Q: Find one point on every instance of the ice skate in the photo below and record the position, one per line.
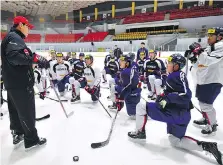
(41, 142)
(137, 136)
(212, 148)
(75, 99)
(200, 123)
(209, 130)
(112, 107)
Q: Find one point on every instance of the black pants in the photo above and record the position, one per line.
(21, 105)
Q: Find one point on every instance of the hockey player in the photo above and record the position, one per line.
(78, 66)
(39, 81)
(73, 58)
(126, 89)
(90, 82)
(52, 61)
(140, 64)
(110, 68)
(62, 71)
(208, 63)
(154, 70)
(107, 57)
(173, 108)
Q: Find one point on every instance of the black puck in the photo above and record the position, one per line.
(75, 158)
(1, 114)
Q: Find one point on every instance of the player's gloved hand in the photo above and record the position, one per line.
(157, 72)
(196, 49)
(119, 103)
(88, 88)
(40, 60)
(94, 90)
(141, 78)
(191, 56)
(162, 100)
(42, 95)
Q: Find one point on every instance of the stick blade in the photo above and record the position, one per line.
(99, 144)
(70, 114)
(42, 118)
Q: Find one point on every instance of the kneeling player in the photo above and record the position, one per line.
(140, 64)
(78, 67)
(39, 81)
(111, 68)
(126, 89)
(173, 108)
(90, 82)
(62, 70)
(154, 72)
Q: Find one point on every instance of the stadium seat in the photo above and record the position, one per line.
(62, 38)
(95, 37)
(199, 11)
(33, 38)
(167, 31)
(130, 36)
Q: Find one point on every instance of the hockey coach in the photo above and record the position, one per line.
(17, 60)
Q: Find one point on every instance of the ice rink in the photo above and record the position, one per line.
(90, 123)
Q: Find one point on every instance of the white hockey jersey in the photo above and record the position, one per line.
(209, 65)
(38, 80)
(61, 70)
(92, 75)
(52, 62)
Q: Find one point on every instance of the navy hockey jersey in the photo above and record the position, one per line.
(177, 90)
(78, 68)
(154, 67)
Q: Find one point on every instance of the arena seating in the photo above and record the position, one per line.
(199, 11)
(167, 31)
(35, 38)
(95, 37)
(130, 36)
(144, 17)
(66, 38)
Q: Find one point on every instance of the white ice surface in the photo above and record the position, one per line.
(70, 137)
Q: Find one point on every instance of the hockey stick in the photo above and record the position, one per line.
(44, 117)
(67, 115)
(104, 143)
(103, 106)
(186, 72)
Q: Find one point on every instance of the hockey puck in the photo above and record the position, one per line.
(1, 114)
(75, 158)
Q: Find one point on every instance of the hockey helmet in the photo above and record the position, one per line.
(59, 55)
(177, 59)
(81, 54)
(216, 31)
(126, 58)
(132, 55)
(89, 56)
(73, 54)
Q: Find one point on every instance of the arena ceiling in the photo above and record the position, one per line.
(52, 7)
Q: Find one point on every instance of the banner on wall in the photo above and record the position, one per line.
(143, 10)
(101, 49)
(104, 16)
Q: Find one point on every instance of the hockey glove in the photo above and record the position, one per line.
(162, 101)
(196, 49)
(141, 78)
(88, 89)
(42, 95)
(119, 103)
(40, 60)
(94, 90)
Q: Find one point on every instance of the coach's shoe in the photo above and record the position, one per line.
(41, 142)
(17, 138)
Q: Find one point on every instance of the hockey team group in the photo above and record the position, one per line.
(167, 85)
